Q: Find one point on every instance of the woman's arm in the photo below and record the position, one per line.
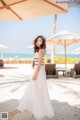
(40, 55)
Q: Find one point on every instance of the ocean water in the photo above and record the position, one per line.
(19, 55)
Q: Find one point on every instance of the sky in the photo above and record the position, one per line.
(18, 35)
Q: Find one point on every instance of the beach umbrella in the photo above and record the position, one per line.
(77, 49)
(29, 9)
(64, 38)
(32, 46)
(3, 48)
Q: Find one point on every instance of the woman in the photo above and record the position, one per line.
(36, 98)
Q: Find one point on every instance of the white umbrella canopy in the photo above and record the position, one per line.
(3, 48)
(29, 9)
(77, 49)
(64, 38)
(32, 46)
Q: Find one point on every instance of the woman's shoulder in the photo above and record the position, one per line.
(42, 51)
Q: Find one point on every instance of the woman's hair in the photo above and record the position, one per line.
(42, 46)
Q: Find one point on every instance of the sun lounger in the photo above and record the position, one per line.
(75, 72)
(51, 71)
(1, 63)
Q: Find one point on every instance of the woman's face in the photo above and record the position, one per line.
(39, 42)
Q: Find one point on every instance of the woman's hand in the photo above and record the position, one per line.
(34, 77)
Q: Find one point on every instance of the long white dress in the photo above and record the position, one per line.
(36, 97)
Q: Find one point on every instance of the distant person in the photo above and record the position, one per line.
(36, 97)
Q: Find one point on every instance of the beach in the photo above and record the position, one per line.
(64, 93)
(56, 26)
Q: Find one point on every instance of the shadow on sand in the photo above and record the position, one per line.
(8, 67)
(62, 111)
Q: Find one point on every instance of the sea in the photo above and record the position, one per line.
(30, 56)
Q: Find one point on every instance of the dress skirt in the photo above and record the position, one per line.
(36, 97)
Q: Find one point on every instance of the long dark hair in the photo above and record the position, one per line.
(42, 46)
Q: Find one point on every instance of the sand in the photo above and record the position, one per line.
(64, 93)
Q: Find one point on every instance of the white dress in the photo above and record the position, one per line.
(36, 97)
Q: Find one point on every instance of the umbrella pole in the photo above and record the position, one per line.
(65, 61)
(53, 54)
(53, 47)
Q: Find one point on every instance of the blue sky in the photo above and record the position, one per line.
(20, 34)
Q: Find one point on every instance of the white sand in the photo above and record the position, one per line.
(64, 93)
